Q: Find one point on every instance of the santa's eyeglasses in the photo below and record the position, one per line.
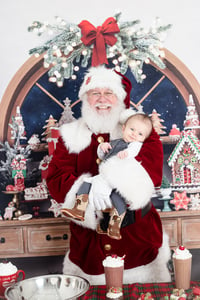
(97, 95)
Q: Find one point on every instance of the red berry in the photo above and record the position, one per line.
(181, 247)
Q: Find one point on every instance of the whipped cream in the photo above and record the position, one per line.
(114, 295)
(182, 253)
(7, 269)
(113, 261)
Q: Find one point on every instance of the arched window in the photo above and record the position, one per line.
(167, 90)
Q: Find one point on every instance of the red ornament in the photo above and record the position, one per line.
(99, 36)
(10, 188)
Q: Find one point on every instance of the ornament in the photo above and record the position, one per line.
(9, 210)
(99, 36)
(55, 208)
(180, 200)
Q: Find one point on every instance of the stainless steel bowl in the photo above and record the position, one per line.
(51, 287)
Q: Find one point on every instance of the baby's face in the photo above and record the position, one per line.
(135, 130)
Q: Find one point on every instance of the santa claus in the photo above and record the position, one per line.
(105, 96)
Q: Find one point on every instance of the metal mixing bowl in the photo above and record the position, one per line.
(51, 287)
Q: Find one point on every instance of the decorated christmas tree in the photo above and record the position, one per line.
(18, 132)
(192, 119)
(13, 155)
(67, 114)
(157, 122)
(51, 123)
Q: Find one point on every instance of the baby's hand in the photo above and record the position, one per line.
(105, 147)
(122, 154)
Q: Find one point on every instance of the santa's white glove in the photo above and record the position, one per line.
(99, 193)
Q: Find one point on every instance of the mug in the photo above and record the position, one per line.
(8, 280)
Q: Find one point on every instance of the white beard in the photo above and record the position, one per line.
(101, 123)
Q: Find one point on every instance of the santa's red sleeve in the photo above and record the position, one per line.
(61, 172)
(151, 158)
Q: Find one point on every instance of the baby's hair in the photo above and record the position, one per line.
(142, 117)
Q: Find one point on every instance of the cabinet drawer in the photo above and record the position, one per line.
(11, 241)
(48, 238)
(191, 233)
(171, 228)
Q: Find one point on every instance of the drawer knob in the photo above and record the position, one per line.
(2, 240)
(49, 237)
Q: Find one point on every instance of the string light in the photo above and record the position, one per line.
(76, 68)
(133, 47)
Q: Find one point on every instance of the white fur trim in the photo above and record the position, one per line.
(130, 179)
(126, 113)
(156, 271)
(91, 218)
(76, 135)
(101, 77)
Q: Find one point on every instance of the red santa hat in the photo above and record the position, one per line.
(102, 77)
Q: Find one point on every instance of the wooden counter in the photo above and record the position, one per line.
(35, 237)
(50, 236)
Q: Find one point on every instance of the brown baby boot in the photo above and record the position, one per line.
(78, 211)
(99, 230)
(115, 224)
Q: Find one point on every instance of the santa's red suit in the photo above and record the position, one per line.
(143, 243)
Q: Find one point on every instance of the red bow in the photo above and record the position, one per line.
(99, 36)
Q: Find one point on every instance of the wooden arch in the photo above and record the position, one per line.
(33, 69)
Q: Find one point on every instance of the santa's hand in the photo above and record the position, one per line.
(100, 193)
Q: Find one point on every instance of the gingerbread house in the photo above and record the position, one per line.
(185, 163)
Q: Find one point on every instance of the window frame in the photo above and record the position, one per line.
(33, 69)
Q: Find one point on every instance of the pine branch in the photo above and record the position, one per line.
(66, 48)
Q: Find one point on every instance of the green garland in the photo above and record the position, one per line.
(134, 47)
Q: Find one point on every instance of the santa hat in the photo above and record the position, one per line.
(102, 77)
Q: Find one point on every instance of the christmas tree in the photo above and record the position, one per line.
(192, 119)
(157, 122)
(67, 114)
(51, 123)
(17, 127)
(11, 152)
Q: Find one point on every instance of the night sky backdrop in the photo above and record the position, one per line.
(166, 99)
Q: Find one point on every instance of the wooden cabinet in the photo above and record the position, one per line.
(35, 237)
(11, 241)
(183, 228)
(50, 236)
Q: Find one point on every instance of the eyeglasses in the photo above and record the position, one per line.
(97, 95)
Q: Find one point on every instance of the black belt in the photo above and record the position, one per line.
(129, 217)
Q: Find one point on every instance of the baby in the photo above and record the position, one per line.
(134, 132)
